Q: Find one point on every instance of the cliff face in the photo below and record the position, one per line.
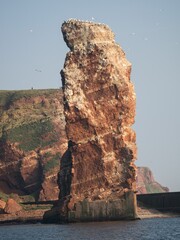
(32, 140)
(146, 182)
(29, 161)
(99, 111)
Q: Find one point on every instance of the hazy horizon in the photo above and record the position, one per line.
(33, 53)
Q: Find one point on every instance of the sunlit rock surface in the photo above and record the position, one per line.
(99, 104)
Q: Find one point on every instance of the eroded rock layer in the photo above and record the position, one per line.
(32, 140)
(99, 103)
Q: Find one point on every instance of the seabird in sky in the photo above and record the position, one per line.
(37, 70)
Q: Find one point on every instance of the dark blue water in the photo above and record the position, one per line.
(156, 229)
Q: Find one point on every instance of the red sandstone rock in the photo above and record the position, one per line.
(12, 206)
(146, 182)
(2, 205)
(99, 102)
(50, 190)
(25, 171)
(27, 168)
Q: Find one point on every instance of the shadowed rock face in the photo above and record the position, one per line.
(99, 104)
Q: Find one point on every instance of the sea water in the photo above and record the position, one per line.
(156, 229)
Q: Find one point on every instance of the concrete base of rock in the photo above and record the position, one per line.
(99, 210)
(105, 210)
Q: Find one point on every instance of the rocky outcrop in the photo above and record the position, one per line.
(12, 206)
(146, 182)
(32, 140)
(99, 103)
(2, 205)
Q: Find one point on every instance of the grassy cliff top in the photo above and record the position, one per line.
(28, 109)
(9, 96)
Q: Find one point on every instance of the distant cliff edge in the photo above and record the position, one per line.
(146, 182)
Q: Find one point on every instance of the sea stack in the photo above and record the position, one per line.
(97, 173)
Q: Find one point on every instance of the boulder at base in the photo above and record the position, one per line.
(2, 205)
(12, 206)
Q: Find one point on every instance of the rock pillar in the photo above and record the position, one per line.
(99, 106)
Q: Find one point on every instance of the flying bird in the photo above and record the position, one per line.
(37, 70)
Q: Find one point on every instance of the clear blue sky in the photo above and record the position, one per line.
(32, 53)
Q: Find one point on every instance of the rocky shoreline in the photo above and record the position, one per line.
(36, 216)
(23, 217)
(14, 212)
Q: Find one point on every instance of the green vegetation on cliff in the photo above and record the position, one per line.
(52, 163)
(19, 108)
(25, 118)
(33, 135)
(32, 139)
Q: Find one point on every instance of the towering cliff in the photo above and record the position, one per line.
(32, 140)
(99, 103)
